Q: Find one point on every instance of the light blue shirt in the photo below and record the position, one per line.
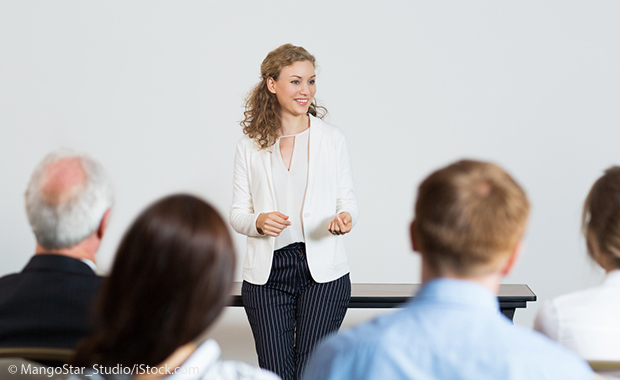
(452, 330)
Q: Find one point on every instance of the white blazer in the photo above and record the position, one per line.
(329, 192)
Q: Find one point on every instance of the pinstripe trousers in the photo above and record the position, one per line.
(291, 312)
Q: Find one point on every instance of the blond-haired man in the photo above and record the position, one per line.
(470, 217)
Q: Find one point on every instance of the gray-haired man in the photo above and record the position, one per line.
(68, 203)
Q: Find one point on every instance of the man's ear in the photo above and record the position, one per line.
(414, 244)
(103, 225)
(271, 85)
(512, 260)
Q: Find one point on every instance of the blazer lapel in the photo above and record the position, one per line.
(316, 136)
(265, 155)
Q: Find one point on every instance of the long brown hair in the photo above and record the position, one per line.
(601, 219)
(262, 111)
(171, 278)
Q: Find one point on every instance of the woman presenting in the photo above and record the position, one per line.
(293, 198)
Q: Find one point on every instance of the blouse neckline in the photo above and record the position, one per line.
(296, 134)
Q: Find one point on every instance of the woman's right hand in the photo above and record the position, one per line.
(271, 223)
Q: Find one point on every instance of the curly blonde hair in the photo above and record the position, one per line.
(262, 111)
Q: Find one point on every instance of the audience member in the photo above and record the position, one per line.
(68, 203)
(469, 219)
(588, 321)
(170, 279)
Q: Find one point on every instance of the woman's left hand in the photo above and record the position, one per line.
(341, 224)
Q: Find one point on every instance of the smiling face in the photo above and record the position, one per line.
(295, 88)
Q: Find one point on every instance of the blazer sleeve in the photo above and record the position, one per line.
(347, 200)
(242, 217)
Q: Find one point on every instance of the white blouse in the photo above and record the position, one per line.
(290, 187)
(587, 321)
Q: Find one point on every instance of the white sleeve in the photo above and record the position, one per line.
(347, 200)
(547, 320)
(242, 217)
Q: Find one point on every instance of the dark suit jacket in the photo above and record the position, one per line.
(48, 303)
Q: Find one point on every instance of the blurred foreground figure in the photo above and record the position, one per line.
(588, 321)
(170, 280)
(469, 219)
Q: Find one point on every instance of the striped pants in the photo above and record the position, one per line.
(292, 312)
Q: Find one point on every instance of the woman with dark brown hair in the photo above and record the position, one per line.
(588, 321)
(293, 198)
(170, 279)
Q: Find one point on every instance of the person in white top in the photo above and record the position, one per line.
(170, 279)
(293, 198)
(588, 321)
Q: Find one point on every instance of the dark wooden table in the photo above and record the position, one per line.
(383, 296)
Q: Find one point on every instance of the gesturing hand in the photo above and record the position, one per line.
(271, 223)
(341, 224)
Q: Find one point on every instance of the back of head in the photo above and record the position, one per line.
(66, 198)
(601, 219)
(468, 216)
(170, 279)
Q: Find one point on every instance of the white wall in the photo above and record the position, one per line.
(154, 90)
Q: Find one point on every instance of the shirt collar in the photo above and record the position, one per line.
(90, 263)
(455, 291)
